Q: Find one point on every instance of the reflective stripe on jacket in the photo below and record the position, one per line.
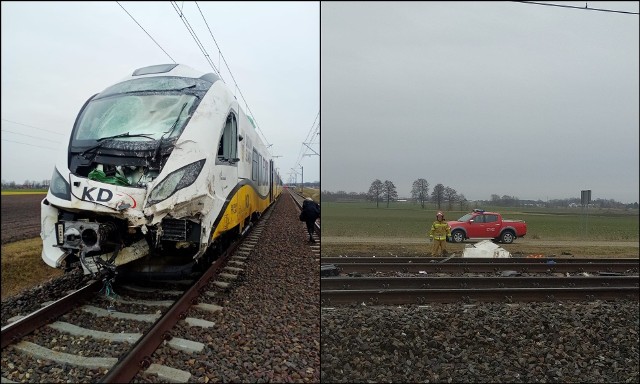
(440, 230)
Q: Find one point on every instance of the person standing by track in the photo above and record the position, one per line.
(440, 232)
(310, 213)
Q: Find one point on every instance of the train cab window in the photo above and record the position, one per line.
(228, 146)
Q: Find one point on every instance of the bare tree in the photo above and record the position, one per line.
(375, 190)
(451, 195)
(438, 194)
(463, 202)
(420, 191)
(389, 191)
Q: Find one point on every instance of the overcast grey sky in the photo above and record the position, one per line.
(55, 55)
(505, 98)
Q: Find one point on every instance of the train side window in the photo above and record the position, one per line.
(228, 146)
(259, 164)
(254, 168)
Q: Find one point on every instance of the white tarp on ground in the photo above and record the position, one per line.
(485, 248)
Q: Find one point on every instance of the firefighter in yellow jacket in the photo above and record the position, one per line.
(440, 232)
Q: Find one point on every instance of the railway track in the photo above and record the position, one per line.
(472, 260)
(127, 324)
(460, 265)
(478, 280)
(298, 199)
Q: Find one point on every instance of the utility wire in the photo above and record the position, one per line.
(154, 40)
(195, 36)
(22, 134)
(214, 40)
(576, 7)
(31, 145)
(233, 78)
(31, 126)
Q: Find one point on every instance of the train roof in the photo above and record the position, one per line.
(179, 70)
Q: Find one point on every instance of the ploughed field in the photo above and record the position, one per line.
(20, 217)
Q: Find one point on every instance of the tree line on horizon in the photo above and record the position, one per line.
(380, 191)
(27, 184)
(419, 192)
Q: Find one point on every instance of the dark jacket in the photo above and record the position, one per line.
(310, 211)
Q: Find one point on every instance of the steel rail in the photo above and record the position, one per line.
(139, 357)
(473, 260)
(484, 268)
(372, 283)
(15, 331)
(422, 296)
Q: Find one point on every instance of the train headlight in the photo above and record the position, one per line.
(176, 180)
(59, 186)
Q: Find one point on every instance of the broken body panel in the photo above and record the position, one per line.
(159, 167)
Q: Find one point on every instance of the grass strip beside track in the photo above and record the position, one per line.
(23, 268)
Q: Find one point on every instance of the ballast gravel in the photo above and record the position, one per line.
(568, 342)
(267, 331)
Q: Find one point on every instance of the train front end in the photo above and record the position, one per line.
(134, 182)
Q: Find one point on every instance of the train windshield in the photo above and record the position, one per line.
(141, 109)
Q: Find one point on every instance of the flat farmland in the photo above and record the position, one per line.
(402, 228)
(20, 216)
(22, 265)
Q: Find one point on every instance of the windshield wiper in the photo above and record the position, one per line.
(127, 134)
(170, 131)
(187, 87)
(103, 139)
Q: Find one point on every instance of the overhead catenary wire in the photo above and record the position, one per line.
(312, 132)
(233, 78)
(154, 40)
(586, 7)
(310, 135)
(195, 37)
(193, 33)
(309, 138)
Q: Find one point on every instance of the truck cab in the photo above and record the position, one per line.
(486, 225)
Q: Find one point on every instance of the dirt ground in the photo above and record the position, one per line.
(20, 217)
(334, 245)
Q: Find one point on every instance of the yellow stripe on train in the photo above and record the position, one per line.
(243, 204)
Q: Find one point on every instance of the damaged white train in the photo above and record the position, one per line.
(161, 170)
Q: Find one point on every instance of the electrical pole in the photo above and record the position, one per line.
(295, 174)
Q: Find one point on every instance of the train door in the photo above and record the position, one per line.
(271, 180)
(226, 175)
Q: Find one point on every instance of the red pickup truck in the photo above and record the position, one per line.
(481, 224)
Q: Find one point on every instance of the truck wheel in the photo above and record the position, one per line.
(457, 236)
(507, 237)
